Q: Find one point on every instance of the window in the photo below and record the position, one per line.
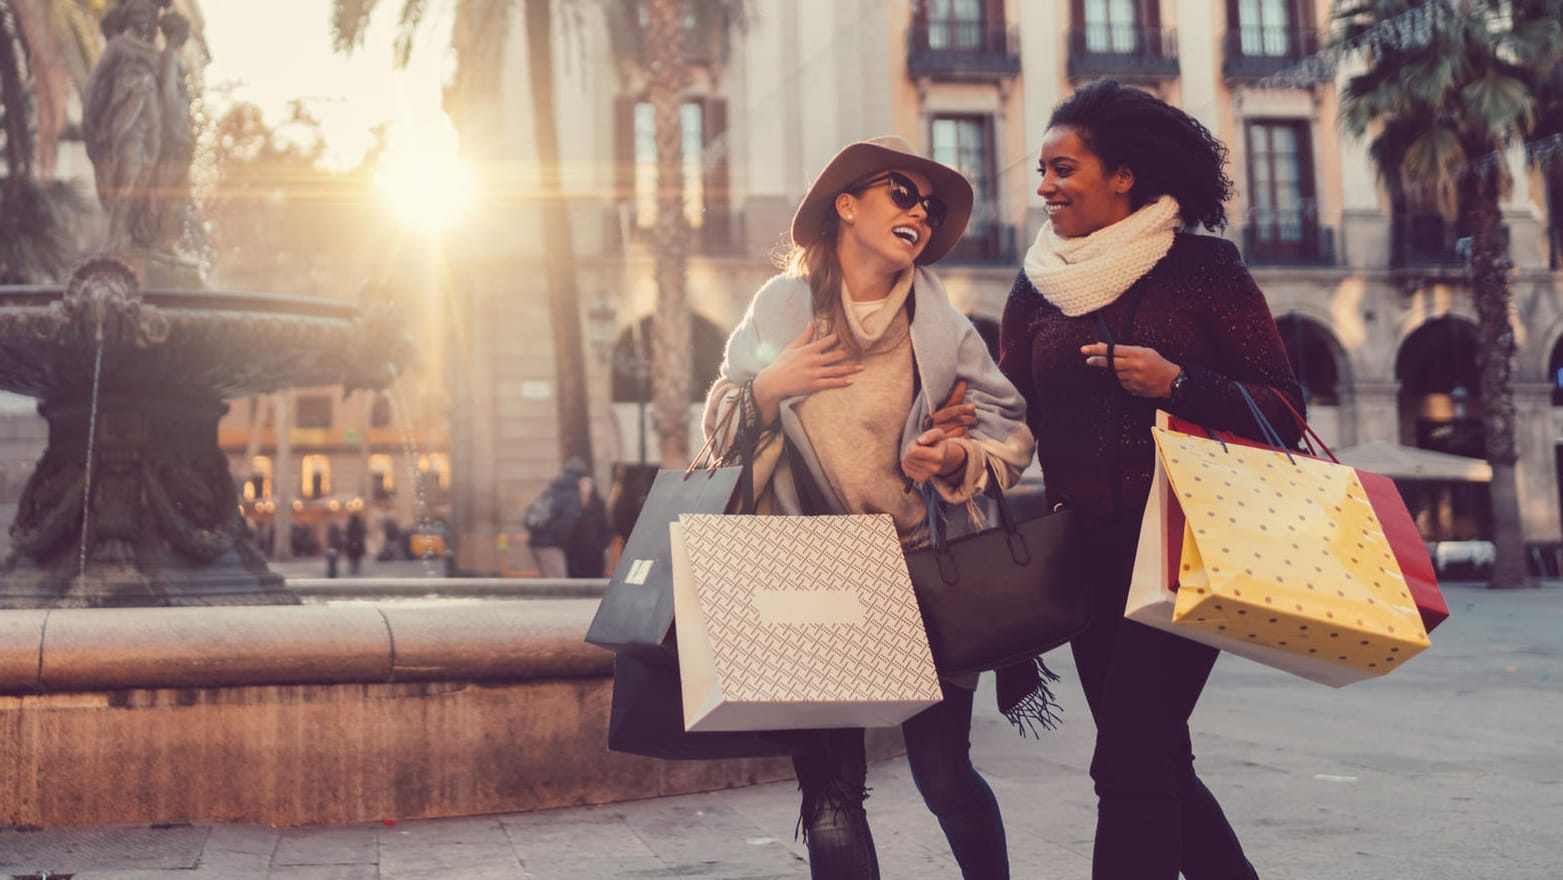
(314, 411)
(1111, 26)
(703, 125)
(966, 144)
(382, 476)
(1282, 219)
(258, 485)
(380, 411)
(435, 467)
(1263, 27)
(955, 24)
(646, 166)
(317, 476)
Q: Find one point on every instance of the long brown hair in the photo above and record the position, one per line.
(819, 263)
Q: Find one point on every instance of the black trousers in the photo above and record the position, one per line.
(1154, 816)
(832, 773)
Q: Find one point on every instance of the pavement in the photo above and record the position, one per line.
(1451, 768)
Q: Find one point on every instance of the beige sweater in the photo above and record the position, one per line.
(856, 430)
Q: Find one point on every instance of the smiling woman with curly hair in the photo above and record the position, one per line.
(1113, 276)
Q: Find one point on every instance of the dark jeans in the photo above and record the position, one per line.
(1154, 816)
(832, 772)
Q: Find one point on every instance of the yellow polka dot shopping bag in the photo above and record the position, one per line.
(1283, 561)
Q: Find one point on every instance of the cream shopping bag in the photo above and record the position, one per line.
(1282, 560)
(797, 622)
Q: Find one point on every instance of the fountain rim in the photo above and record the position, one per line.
(196, 299)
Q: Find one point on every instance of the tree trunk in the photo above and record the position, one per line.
(1489, 275)
(564, 313)
(16, 106)
(670, 345)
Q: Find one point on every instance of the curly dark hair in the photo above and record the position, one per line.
(1169, 151)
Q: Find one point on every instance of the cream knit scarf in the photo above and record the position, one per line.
(1081, 275)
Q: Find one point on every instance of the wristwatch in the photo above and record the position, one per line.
(1175, 393)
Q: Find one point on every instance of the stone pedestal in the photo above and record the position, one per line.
(149, 518)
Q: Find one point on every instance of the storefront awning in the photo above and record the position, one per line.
(1411, 463)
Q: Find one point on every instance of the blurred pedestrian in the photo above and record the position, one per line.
(357, 531)
(592, 534)
(551, 517)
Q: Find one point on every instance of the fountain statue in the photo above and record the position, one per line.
(139, 134)
(132, 502)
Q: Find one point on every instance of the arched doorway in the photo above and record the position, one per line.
(631, 380)
(630, 391)
(1441, 409)
(1316, 359)
(1440, 391)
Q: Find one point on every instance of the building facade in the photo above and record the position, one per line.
(1369, 291)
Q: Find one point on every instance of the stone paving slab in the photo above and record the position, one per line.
(1449, 769)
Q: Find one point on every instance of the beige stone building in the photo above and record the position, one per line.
(1369, 293)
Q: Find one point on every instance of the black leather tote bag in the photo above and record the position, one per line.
(647, 718)
(1002, 595)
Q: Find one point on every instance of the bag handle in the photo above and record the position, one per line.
(1272, 437)
(995, 490)
(707, 453)
(1315, 444)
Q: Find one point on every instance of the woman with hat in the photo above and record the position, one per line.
(855, 387)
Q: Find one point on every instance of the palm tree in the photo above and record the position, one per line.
(669, 24)
(1443, 109)
(35, 215)
(478, 41)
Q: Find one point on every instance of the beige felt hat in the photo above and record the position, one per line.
(864, 158)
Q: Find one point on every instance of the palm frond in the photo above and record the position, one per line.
(36, 228)
(350, 22)
(407, 30)
(1498, 103)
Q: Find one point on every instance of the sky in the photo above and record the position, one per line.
(274, 51)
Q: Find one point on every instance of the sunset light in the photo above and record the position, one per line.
(423, 176)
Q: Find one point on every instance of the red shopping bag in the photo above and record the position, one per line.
(1404, 539)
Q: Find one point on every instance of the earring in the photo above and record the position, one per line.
(851, 218)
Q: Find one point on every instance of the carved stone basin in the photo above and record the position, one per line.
(149, 515)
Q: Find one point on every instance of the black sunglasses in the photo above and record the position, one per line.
(905, 194)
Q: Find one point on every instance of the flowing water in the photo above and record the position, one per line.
(92, 431)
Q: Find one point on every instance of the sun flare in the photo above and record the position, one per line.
(423, 177)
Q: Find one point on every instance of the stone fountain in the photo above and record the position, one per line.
(132, 503)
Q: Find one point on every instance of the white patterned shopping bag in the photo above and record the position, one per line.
(790, 622)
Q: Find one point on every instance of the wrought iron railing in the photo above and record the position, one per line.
(1287, 237)
(1255, 52)
(1129, 51)
(962, 50)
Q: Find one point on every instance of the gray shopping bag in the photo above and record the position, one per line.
(636, 614)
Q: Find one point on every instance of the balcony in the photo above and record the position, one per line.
(1428, 241)
(963, 51)
(1254, 53)
(995, 245)
(1128, 52)
(1275, 237)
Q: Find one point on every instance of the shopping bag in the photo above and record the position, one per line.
(1002, 595)
(791, 622)
(636, 613)
(647, 718)
(1410, 550)
(1404, 539)
(1282, 560)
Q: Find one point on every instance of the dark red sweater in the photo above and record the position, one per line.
(1200, 309)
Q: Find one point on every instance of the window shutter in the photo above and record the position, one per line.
(715, 152)
(624, 149)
